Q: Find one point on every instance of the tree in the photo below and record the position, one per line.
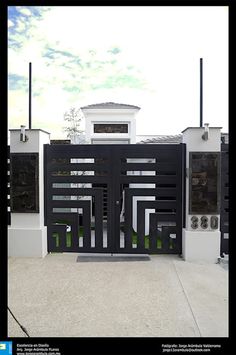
(73, 131)
(73, 117)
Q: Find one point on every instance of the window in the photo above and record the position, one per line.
(111, 128)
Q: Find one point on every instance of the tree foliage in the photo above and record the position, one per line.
(73, 117)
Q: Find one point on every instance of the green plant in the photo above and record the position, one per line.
(146, 240)
(68, 236)
(134, 238)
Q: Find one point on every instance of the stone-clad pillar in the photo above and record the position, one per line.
(201, 237)
(27, 235)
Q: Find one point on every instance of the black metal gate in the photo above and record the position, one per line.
(114, 198)
(224, 212)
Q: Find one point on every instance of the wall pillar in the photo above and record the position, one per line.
(27, 235)
(201, 243)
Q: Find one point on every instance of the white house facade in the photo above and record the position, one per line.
(110, 123)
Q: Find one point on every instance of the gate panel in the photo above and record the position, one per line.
(149, 201)
(78, 177)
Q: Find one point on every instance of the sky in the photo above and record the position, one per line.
(140, 55)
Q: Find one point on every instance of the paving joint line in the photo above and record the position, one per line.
(186, 296)
(18, 323)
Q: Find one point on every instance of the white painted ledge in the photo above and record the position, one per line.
(27, 242)
(201, 245)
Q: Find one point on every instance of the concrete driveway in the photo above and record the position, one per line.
(163, 297)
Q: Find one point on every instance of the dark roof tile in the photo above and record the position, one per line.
(108, 105)
(165, 139)
(174, 139)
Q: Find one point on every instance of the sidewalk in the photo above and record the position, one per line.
(163, 297)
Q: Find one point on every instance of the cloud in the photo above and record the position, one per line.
(10, 23)
(21, 26)
(16, 82)
(84, 52)
(24, 11)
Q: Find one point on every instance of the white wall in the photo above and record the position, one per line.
(93, 116)
(192, 137)
(27, 235)
(199, 244)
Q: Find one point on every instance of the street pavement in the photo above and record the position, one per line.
(162, 297)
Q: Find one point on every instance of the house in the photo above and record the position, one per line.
(115, 123)
(110, 123)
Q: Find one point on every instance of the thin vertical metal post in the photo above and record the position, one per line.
(201, 92)
(30, 94)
